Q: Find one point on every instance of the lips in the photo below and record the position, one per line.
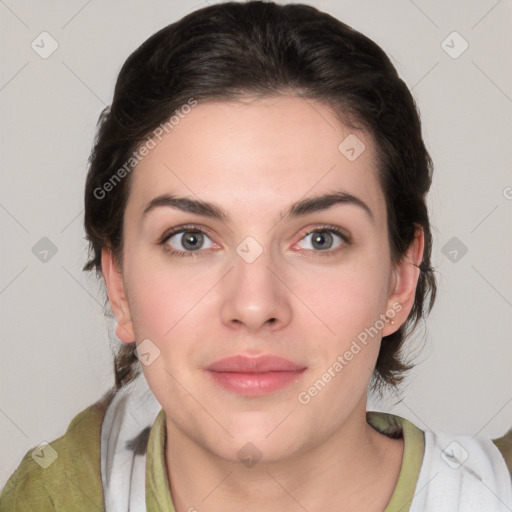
(255, 376)
(260, 364)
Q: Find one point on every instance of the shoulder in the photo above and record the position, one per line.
(472, 466)
(63, 474)
(393, 425)
(504, 445)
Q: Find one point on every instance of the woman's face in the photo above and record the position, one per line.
(265, 279)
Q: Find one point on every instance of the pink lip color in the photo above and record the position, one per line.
(254, 376)
(255, 384)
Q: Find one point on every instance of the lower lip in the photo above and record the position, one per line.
(255, 384)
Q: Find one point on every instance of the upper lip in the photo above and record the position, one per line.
(259, 364)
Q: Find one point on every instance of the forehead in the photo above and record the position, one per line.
(258, 155)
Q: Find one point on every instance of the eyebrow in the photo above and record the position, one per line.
(297, 209)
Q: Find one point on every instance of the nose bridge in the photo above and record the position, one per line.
(255, 295)
(252, 275)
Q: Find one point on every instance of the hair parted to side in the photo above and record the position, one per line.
(230, 50)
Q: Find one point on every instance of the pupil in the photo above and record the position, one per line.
(193, 240)
(320, 238)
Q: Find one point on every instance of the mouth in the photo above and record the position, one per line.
(255, 376)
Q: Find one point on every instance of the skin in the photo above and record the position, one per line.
(253, 158)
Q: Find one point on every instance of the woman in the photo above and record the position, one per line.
(256, 206)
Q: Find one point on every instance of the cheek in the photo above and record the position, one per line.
(166, 308)
(347, 297)
(344, 335)
(162, 299)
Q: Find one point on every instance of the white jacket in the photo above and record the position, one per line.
(462, 474)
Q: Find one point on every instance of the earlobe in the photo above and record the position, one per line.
(117, 297)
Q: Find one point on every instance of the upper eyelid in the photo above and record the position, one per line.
(183, 229)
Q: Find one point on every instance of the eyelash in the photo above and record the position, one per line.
(199, 253)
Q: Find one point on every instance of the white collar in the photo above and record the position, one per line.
(124, 434)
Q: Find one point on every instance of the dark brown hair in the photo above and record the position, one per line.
(228, 50)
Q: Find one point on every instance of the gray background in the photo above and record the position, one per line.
(56, 344)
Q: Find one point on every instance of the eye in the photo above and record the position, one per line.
(322, 240)
(186, 240)
(190, 240)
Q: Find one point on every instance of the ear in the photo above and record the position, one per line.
(116, 295)
(403, 282)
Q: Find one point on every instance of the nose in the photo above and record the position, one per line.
(254, 296)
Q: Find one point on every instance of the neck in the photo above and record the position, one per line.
(335, 474)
